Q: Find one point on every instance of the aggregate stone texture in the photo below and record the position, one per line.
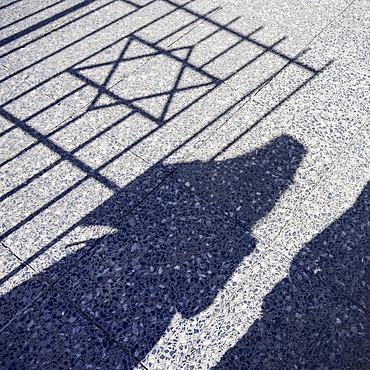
(279, 332)
(14, 273)
(335, 248)
(52, 334)
(184, 184)
(37, 213)
(344, 340)
(171, 255)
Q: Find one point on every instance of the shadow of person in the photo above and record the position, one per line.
(310, 319)
(175, 251)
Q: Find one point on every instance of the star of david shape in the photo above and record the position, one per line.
(189, 84)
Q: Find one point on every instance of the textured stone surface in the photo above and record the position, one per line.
(184, 184)
(51, 333)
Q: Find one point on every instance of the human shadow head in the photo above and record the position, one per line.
(318, 316)
(175, 251)
(245, 187)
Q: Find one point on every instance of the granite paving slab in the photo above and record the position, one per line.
(12, 141)
(184, 184)
(52, 334)
(36, 205)
(272, 321)
(172, 254)
(344, 340)
(25, 21)
(330, 232)
(271, 151)
(13, 300)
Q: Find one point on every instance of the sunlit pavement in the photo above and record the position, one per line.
(185, 184)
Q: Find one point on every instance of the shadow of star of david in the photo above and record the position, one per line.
(189, 81)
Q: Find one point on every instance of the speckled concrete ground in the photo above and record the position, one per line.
(185, 184)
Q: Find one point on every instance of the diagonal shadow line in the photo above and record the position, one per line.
(57, 129)
(303, 65)
(61, 159)
(223, 52)
(59, 29)
(111, 72)
(102, 90)
(43, 23)
(178, 59)
(246, 96)
(92, 242)
(272, 110)
(196, 20)
(70, 44)
(265, 51)
(225, 80)
(159, 94)
(183, 144)
(58, 150)
(43, 208)
(80, 69)
(134, 4)
(127, 59)
(215, 32)
(55, 102)
(90, 56)
(230, 48)
(32, 14)
(175, 86)
(10, 4)
(3, 133)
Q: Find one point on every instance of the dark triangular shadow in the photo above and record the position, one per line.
(308, 321)
(175, 251)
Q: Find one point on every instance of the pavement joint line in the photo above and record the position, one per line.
(41, 24)
(265, 83)
(82, 313)
(34, 132)
(11, 252)
(321, 179)
(21, 312)
(237, 286)
(31, 15)
(51, 285)
(88, 318)
(169, 177)
(64, 47)
(48, 246)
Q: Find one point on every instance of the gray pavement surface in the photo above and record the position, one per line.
(185, 184)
